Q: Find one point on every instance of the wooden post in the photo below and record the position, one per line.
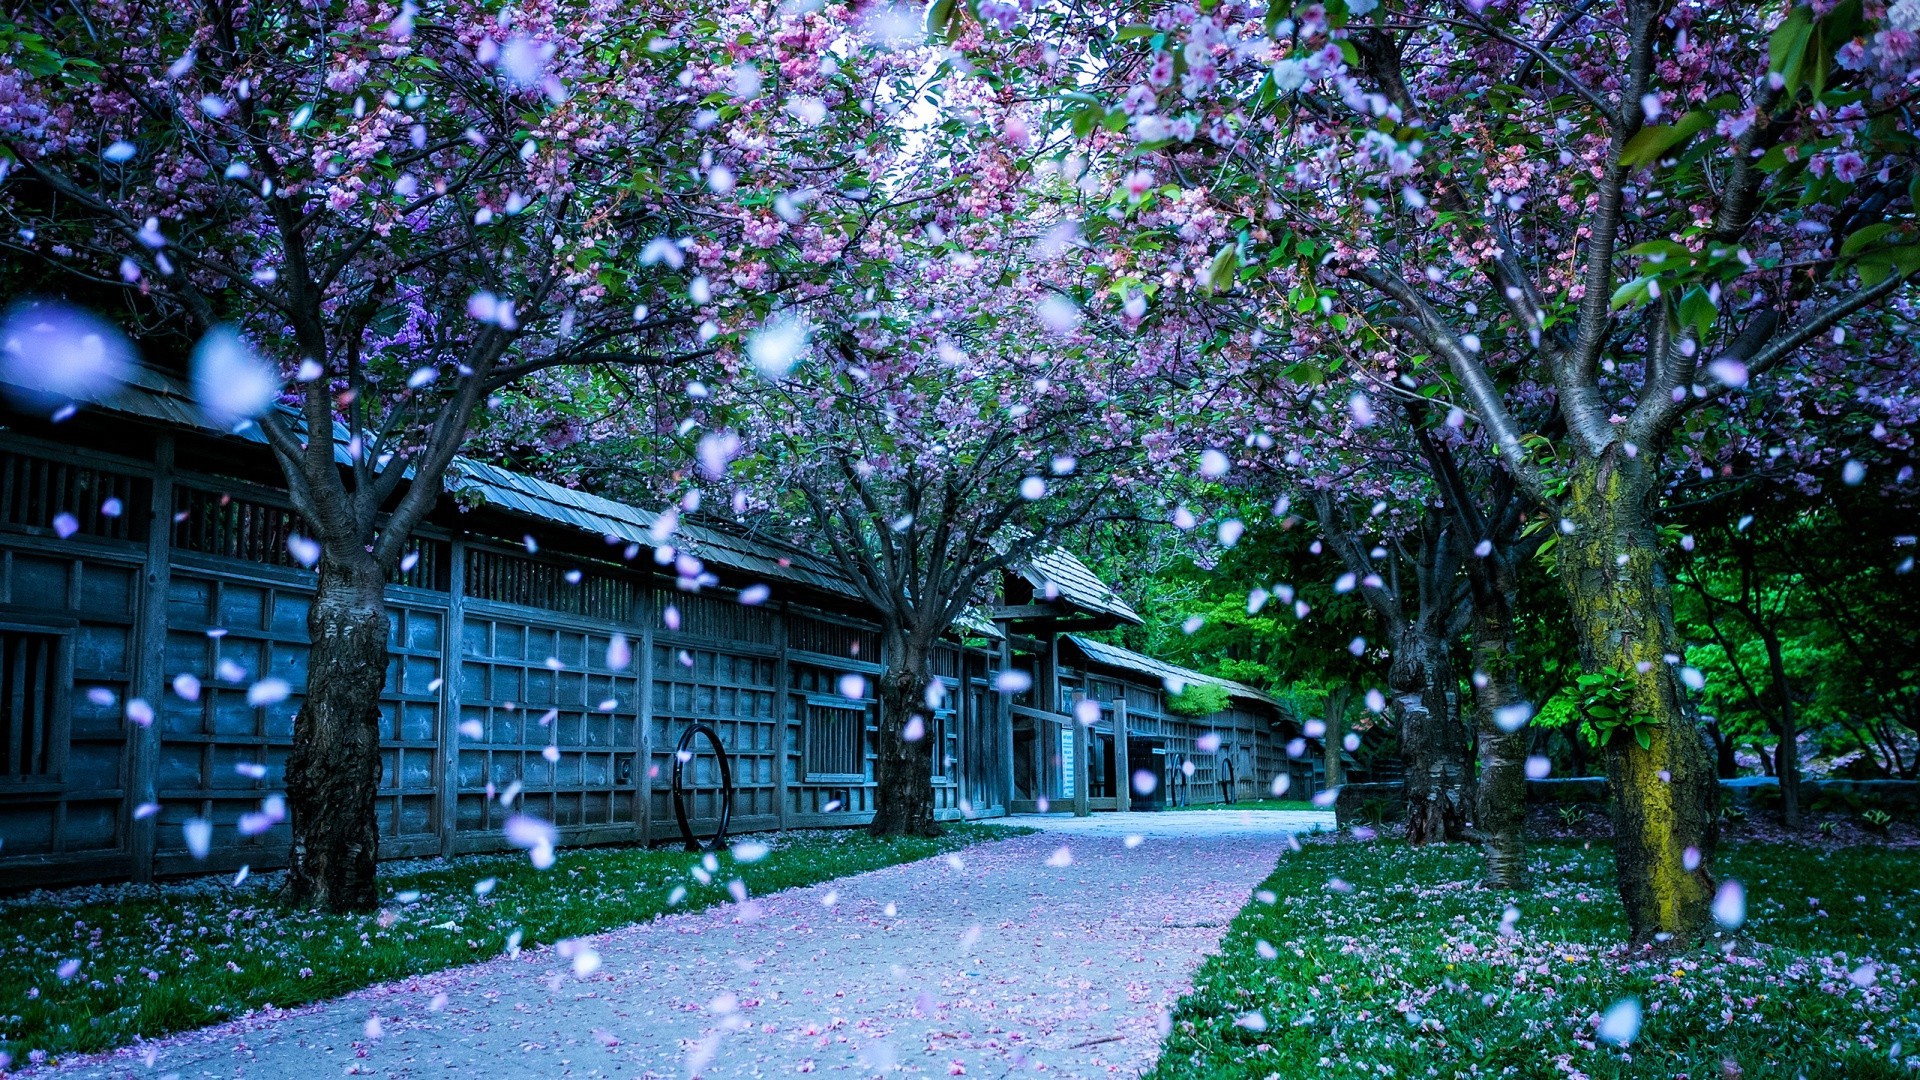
(1122, 772)
(1003, 725)
(452, 657)
(1050, 683)
(1081, 742)
(643, 665)
(149, 676)
(780, 678)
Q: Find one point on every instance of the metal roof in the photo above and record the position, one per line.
(531, 497)
(1114, 656)
(154, 395)
(1076, 584)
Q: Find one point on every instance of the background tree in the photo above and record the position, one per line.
(1634, 209)
(386, 214)
(932, 446)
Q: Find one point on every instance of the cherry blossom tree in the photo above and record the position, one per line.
(928, 445)
(1637, 211)
(382, 215)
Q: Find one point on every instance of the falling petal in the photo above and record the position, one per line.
(51, 354)
(304, 551)
(268, 692)
(1730, 904)
(777, 345)
(231, 384)
(198, 833)
(1511, 718)
(1621, 1024)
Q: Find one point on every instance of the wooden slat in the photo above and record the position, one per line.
(21, 742)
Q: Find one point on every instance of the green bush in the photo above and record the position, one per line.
(1199, 699)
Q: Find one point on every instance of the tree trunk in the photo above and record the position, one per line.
(1665, 795)
(333, 770)
(1786, 727)
(1724, 764)
(1433, 742)
(1501, 795)
(1338, 700)
(903, 768)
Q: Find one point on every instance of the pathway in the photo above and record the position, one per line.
(1057, 953)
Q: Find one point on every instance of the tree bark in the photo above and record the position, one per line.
(1665, 795)
(333, 770)
(1786, 728)
(1500, 797)
(1724, 764)
(903, 766)
(1339, 698)
(1433, 742)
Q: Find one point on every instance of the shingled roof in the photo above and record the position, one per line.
(154, 395)
(1114, 656)
(1076, 584)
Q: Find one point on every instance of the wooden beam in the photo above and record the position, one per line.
(1082, 769)
(782, 679)
(1020, 612)
(643, 667)
(149, 665)
(452, 660)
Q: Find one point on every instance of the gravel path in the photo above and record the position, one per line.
(1056, 953)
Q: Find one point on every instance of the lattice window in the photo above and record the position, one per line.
(217, 523)
(943, 728)
(35, 490)
(543, 711)
(1142, 699)
(213, 523)
(511, 579)
(946, 661)
(31, 677)
(833, 639)
(836, 741)
(721, 618)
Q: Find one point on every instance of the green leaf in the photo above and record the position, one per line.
(1649, 144)
(1667, 248)
(1633, 293)
(1863, 237)
(1698, 310)
(1307, 374)
(1643, 734)
(1787, 50)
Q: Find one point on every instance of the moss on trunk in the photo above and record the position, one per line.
(1665, 796)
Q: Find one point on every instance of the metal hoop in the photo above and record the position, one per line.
(682, 755)
(1227, 782)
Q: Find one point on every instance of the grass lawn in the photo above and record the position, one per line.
(92, 968)
(1257, 804)
(1376, 960)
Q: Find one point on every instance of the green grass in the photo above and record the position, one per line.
(156, 959)
(1255, 804)
(1407, 973)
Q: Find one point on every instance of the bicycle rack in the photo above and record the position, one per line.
(683, 754)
